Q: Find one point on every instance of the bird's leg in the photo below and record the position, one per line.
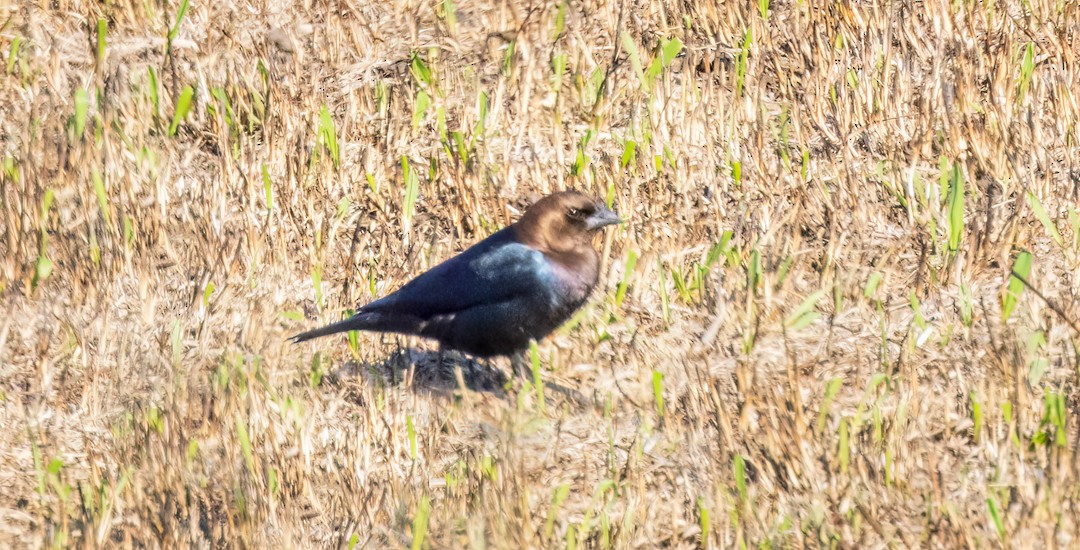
(520, 366)
(411, 373)
(458, 376)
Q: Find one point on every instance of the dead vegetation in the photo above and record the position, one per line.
(806, 336)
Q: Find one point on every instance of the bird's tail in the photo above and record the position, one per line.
(370, 320)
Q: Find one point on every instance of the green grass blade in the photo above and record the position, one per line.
(175, 29)
(82, 106)
(1022, 267)
(1044, 218)
(420, 523)
(328, 135)
(956, 208)
(183, 106)
(631, 49)
(804, 314)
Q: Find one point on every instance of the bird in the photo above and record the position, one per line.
(517, 285)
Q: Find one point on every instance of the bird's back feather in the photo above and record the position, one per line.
(491, 271)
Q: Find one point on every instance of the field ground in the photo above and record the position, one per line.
(807, 334)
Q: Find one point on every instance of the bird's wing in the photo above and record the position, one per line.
(495, 270)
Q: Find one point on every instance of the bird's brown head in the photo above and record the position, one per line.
(564, 223)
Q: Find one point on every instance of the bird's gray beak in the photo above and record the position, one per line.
(603, 217)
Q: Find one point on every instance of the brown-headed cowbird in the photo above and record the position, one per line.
(519, 284)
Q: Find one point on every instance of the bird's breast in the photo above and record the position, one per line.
(571, 286)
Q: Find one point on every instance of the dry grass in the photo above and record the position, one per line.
(152, 266)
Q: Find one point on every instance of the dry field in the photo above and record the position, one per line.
(843, 312)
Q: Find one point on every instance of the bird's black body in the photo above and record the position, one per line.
(517, 285)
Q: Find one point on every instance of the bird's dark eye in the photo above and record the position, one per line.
(574, 212)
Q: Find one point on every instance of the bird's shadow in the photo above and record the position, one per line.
(429, 370)
(439, 374)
